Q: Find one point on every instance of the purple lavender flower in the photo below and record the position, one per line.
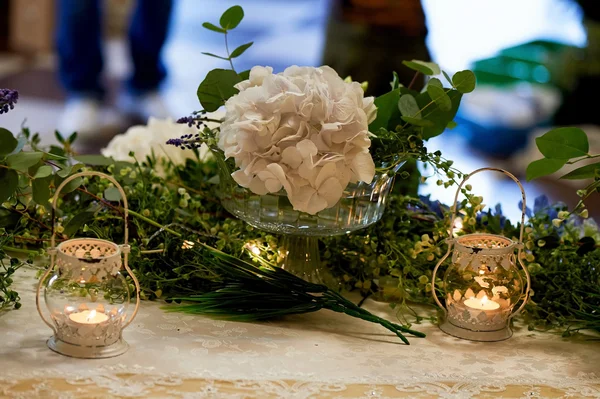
(8, 99)
(188, 141)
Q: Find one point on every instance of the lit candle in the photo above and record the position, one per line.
(88, 317)
(482, 304)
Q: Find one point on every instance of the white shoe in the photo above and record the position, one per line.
(81, 115)
(143, 107)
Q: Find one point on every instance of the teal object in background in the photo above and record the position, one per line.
(528, 79)
(538, 62)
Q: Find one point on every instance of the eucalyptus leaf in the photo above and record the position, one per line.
(417, 122)
(448, 78)
(451, 125)
(244, 75)
(72, 138)
(56, 150)
(543, 167)
(395, 83)
(217, 88)
(23, 160)
(94, 160)
(387, 109)
(435, 114)
(464, 81)
(76, 222)
(563, 143)
(408, 106)
(212, 27)
(112, 194)
(435, 82)
(7, 142)
(584, 172)
(231, 17)
(43, 171)
(59, 137)
(240, 50)
(426, 68)
(21, 141)
(439, 96)
(41, 190)
(70, 186)
(10, 182)
(216, 56)
(64, 172)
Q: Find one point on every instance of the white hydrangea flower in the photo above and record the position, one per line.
(144, 140)
(304, 130)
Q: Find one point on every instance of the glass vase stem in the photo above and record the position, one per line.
(301, 258)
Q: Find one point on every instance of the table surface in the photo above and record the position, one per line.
(323, 354)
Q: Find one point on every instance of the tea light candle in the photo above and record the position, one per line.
(88, 317)
(482, 304)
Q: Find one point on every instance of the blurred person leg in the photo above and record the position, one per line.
(147, 34)
(369, 39)
(78, 42)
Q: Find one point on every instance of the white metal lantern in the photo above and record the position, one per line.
(87, 296)
(483, 283)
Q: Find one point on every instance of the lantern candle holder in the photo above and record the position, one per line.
(482, 284)
(86, 295)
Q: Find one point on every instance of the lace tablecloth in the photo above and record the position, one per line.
(323, 354)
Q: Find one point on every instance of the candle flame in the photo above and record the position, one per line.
(484, 300)
(91, 315)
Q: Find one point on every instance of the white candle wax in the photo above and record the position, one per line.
(482, 304)
(88, 317)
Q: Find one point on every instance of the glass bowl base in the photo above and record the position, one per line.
(87, 352)
(483, 336)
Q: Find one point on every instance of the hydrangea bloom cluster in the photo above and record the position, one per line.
(304, 130)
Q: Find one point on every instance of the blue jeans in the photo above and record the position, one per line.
(79, 45)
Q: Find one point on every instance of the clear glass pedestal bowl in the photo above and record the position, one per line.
(361, 205)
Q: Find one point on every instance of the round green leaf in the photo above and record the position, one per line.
(440, 97)
(584, 172)
(240, 50)
(7, 142)
(23, 160)
(543, 167)
(112, 194)
(217, 87)
(408, 106)
(435, 82)
(464, 81)
(10, 181)
(231, 17)
(216, 56)
(417, 122)
(426, 68)
(214, 28)
(43, 171)
(563, 143)
(41, 190)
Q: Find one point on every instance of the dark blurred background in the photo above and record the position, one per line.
(537, 64)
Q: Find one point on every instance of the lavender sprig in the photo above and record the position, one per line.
(8, 99)
(198, 119)
(187, 141)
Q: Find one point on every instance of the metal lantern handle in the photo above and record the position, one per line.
(519, 243)
(125, 248)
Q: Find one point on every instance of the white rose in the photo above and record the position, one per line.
(145, 140)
